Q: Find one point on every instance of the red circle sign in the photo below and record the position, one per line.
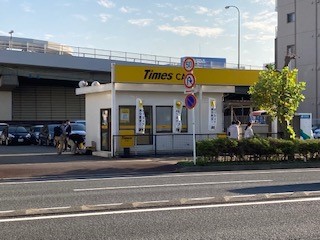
(188, 64)
(189, 80)
(190, 101)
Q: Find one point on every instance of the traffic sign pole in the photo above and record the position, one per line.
(191, 100)
(194, 137)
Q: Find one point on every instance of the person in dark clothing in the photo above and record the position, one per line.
(67, 132)
(76, 141)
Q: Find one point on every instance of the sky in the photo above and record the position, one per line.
(176, 28)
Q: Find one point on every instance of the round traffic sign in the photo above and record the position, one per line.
(190, 101)
(188, 64)
(189, 80)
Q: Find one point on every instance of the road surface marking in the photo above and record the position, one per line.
(167, 185)
(171, 175)
(20, 219)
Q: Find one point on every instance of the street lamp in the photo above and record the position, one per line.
(10, 42)
(227, 7)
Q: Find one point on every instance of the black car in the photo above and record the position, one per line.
(15, 135)
(35, 131)
(46, 134)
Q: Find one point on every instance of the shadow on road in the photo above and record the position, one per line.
(279, 189)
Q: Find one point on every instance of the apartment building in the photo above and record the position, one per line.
(298, 35)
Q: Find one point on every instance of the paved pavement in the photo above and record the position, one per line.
(42, 162)
(39, 162)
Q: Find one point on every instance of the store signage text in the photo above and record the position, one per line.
(152, 75)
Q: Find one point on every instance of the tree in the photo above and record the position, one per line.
(279, 94)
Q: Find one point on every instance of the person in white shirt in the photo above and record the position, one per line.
(248, 133)
(234, 130)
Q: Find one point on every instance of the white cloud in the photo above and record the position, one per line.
(141, 22)
(104, 17)
(264, 21)
(206, 11)
(128, 10)
(106, 3)
(270, 3)
(191, 30)
(180, 19)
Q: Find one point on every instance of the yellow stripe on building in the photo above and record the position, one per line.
(175, 75)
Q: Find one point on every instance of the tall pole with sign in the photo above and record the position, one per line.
(191, 100)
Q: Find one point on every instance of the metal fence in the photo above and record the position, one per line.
(165, 144)
(54, 48)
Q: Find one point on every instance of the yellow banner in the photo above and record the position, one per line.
(175, 75)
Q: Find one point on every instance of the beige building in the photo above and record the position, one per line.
(298, 34)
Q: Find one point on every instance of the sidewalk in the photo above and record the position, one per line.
(38, 162)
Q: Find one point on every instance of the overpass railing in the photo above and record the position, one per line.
(60, 49)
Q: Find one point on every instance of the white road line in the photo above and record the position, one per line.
(7, 211)
(91, 214)
(167, 185)
(171, 175)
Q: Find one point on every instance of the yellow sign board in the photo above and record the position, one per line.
(126, 138)
(174, 75)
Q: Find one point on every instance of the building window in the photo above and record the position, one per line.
(164, 119)
(127, 121)
(291, 17)
(291, 50)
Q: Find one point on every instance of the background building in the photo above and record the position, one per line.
(298, 35)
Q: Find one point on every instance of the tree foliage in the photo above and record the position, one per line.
(279, 93)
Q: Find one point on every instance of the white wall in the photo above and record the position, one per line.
(166, 99)
(6, 105)
(95, 102)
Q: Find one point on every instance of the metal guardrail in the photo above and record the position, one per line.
(54, 48)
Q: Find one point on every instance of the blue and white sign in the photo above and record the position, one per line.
(207, 62)
(190, 101)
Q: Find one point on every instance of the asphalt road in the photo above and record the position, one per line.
(251, 220)
(73, 193)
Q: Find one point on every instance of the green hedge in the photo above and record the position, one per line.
(258, 149)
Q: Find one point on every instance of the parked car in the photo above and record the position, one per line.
(46, 134)
(78, 128)
(316, 133)
(80, 121)
(15, 135)
(35, 131)
(2, 126)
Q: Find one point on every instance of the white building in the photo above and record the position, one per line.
(299, 34)
(111, 108)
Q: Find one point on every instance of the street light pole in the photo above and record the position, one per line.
(10, 42)
(227, 7)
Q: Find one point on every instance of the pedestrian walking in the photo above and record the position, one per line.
(59, 137)
(67, 132)
(248, 133)
(234, 130)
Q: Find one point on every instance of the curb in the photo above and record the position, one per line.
(33, 212)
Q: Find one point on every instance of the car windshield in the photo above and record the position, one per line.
(2, 127)
(36, 129)
(15, 129)
(78, 127)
